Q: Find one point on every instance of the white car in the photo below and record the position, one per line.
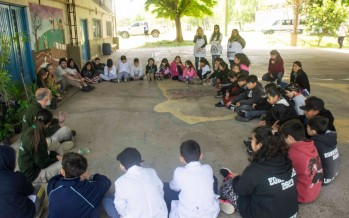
(137, 28)
(284, 25)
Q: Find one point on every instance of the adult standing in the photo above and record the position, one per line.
(235, 45)
(146, 30)
(200, 41)
(215, 41)
(342, 32)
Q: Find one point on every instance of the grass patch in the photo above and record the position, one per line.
(166, 43)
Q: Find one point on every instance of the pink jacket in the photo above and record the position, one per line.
(173, 68)
(189, 73)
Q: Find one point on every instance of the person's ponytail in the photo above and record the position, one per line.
(43, 117)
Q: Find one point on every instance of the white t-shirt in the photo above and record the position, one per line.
(196, 197)
(205, 70)
(233, 48)
(139, 193)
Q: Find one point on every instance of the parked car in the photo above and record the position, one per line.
(137, 28)
(284, 25)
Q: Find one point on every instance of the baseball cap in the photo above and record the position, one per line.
(313, 103)
(129, 157)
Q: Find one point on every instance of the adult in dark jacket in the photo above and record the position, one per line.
(299, 77)
(34, 159)
(275, 68)
(14, 188)
(316, 107)
(76, 193)
(267, 187)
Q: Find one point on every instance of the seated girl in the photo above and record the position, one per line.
(299, 77)
(89, 74)
(35, 160)
(164, 70)
(204, 70)
(242, 60)
(176, 68)
(189, 72)
(267, 187)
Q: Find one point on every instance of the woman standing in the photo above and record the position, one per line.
(200, 41)
(299, 77)
(267, 187)
(215, 41)
(235, 45)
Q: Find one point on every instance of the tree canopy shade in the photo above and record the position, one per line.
(325, 18)
(176, 9)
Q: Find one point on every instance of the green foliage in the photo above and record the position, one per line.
(325, 18)
(242, 10)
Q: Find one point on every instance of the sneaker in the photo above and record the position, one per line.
(231, 107)
(242, 113)
(247, 142)
(219, 95)
(225, 172)
(241, 119)
(113, 80)
(226, 206)
(91, 87)
(125, 80)
(85, 89)
(119, 81)
(249, 150)
(73, 132)
(219, 105)
(67, 145)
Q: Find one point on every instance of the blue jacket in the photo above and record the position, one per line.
(75, 198)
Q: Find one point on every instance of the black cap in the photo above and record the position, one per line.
(129, 157)
(313, 103)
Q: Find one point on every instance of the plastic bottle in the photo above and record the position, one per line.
(84, 151)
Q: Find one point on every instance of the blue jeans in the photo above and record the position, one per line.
(122, 75)
(244, 107)
(109, 206)
(252, 114)
(266, 77)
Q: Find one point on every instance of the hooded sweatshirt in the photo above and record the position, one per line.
(326, 145)
(307, 164)
(280, 111)
(14, 188)
(324, 113)
(267, 189)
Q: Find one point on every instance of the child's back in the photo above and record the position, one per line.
(196, 197)
(326, 145)
(139, 193)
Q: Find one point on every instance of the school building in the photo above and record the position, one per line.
(43, 31)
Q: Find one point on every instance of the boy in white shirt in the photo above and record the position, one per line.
(139, 192)
(195, 184)
(123, 69)
(136, 71)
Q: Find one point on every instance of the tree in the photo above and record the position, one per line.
(176, 9)
(324, 19)
(297, 9)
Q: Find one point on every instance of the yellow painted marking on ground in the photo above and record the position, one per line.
(177, 108)
(342, 127)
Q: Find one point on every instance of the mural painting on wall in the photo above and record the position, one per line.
(47, 34)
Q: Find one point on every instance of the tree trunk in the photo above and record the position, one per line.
(319, 41)
(294, 37)
(226, 18)
(179, 34)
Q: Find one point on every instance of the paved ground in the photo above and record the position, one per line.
(156, 117)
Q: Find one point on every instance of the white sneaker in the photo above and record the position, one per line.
(226, 207)
(67, 145)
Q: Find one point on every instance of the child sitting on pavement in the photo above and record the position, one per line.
(151, 69)
(139, 192)
(76, 192)
(164, 70)
(123, 69)
(136, 72)
(326, 143)
(305, 160)
(253, 95)
(204, 70)
(238, 86)
(195, 184)
(189, 72)
(293, 92)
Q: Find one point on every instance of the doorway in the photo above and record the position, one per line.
(85, 45)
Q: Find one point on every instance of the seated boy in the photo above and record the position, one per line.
(326, 144)
(136, 72)
(250, 97)
(139, 192)
(98, 66)
(293, 92)
(15, 189)
(76, 192)
(123, 69)
(195, 184)
(305, 159)
(238, 86)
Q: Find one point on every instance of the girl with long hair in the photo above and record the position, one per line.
(275, 69)
(235, 45)
(215, 41)
(89, 74)
(242, 60)
(299, 77)
(176, 68)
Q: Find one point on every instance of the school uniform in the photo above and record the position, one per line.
(196, 198)
(71, 197)
(307, 163)
(109, 74)
(267, 189)
(136, 72)
(139, 193)
(326, 145)
(123, 70)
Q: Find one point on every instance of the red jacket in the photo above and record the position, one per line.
(307, 163)
(173, 68)
(277, 67)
